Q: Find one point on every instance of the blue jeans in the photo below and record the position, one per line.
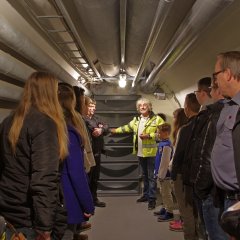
(29, 233)
(149, 182)
(228, 203)
(210, 216)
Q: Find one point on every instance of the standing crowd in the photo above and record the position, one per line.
(201, 169)
(51, 149)
(49, 162)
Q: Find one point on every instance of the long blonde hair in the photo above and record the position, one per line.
(40, 91)
(67, 100)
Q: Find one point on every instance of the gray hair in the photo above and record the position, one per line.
(146, 101)
(231, 60)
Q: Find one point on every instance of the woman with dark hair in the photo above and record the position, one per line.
(74, 180)
(179, 119)
(80, 107)
(33, 142)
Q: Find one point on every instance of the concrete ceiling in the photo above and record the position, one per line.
(156, 43)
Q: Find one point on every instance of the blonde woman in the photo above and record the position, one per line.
(33, 142)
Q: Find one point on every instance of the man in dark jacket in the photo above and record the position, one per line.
(97, 130)
(193, 151)
(202, 177)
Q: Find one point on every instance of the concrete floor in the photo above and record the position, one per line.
(124, 219)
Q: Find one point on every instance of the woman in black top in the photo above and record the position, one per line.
(33, 141)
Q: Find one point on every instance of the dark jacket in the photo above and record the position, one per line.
(97, 142)
(182, 142)
(29, 180)
(77, 195)
(194, 148)
(204, 184)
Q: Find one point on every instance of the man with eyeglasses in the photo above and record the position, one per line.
(193, 152)
(225, 162)
(203, 183)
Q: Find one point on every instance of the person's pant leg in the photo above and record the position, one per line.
(166, 192)
(186, 211)
(143, 163)
(94, 176)
(152, 182)
(202, 232)
(210, 215)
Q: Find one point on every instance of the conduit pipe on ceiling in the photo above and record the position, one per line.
(140, 17)
(123, 22)
(201, 14)
(14, 68)
(159, 20)
(20, 43)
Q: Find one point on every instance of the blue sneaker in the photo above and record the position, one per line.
(166, 217)
(161, 212)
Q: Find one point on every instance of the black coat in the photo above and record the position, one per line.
(29, 180)
(203, 181)
(193, 154)
(182, 142)
(97, 142)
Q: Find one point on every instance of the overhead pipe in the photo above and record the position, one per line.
(9, 91)
(139, 22)
(101, 21)
(123, 21)
(201, 14)
(161, 14)
(11, 67)
(17, 70)
(20, 43)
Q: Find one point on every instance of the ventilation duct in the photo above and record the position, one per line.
(18, 42)
(10, 91)
(159, 20)
(14, 68)
(201, 14)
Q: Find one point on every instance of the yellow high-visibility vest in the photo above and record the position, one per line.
(149, 146)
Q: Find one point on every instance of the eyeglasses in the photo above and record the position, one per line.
(214, 75)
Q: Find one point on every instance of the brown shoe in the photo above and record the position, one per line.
(80, 237)
(85, 226)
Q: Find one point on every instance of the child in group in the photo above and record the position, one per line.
(163, 157)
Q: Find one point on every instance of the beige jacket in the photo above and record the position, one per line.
(89, 160)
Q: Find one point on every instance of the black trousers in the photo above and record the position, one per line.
(94, 176)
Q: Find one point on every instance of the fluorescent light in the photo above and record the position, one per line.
(85, 65)
(122, 80)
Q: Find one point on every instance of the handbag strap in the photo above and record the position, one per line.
(16, 235)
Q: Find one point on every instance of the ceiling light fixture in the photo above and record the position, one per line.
(122, 80)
